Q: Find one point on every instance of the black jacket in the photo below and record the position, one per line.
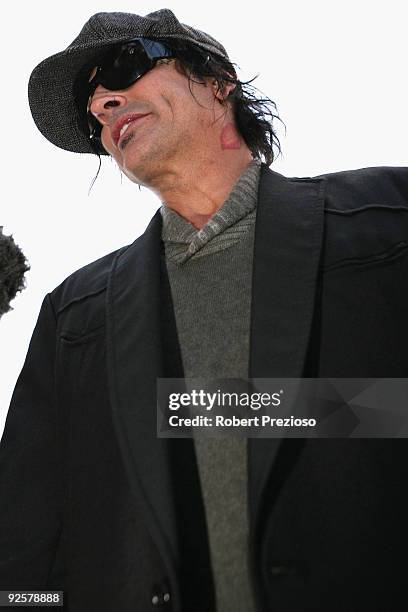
(94, 503)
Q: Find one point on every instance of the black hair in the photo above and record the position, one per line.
(254, 115)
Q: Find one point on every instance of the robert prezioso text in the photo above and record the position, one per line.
(234, 421)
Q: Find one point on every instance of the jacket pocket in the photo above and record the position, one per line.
(395, 252)
(72, 338)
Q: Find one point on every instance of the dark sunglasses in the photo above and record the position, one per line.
(121, 66)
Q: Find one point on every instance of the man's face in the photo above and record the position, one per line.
(177, 125)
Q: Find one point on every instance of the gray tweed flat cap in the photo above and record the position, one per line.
(51, 84)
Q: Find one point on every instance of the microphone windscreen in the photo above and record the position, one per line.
(13, 266)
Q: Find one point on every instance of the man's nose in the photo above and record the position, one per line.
(104, 101)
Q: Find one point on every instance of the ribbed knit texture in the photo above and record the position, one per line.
(210, 274)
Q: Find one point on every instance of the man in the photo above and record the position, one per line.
(242, 272)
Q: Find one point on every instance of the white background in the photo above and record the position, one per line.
(337, 71)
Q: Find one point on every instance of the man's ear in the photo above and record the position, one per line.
(222, 94)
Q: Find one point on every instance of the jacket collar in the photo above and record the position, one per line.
(288, 241)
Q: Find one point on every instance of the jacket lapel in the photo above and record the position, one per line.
(135, 361)
(288, 244)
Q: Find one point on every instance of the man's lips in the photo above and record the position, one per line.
(119, 123)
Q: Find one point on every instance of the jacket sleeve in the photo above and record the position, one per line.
(30, 487)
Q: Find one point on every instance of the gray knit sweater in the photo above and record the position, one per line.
(210, 274)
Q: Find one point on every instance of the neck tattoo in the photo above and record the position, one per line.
(229, 137)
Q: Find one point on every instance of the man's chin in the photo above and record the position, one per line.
(140, 166)
(132, 161)
(135, 172)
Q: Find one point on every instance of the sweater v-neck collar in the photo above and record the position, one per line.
(180, 234)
